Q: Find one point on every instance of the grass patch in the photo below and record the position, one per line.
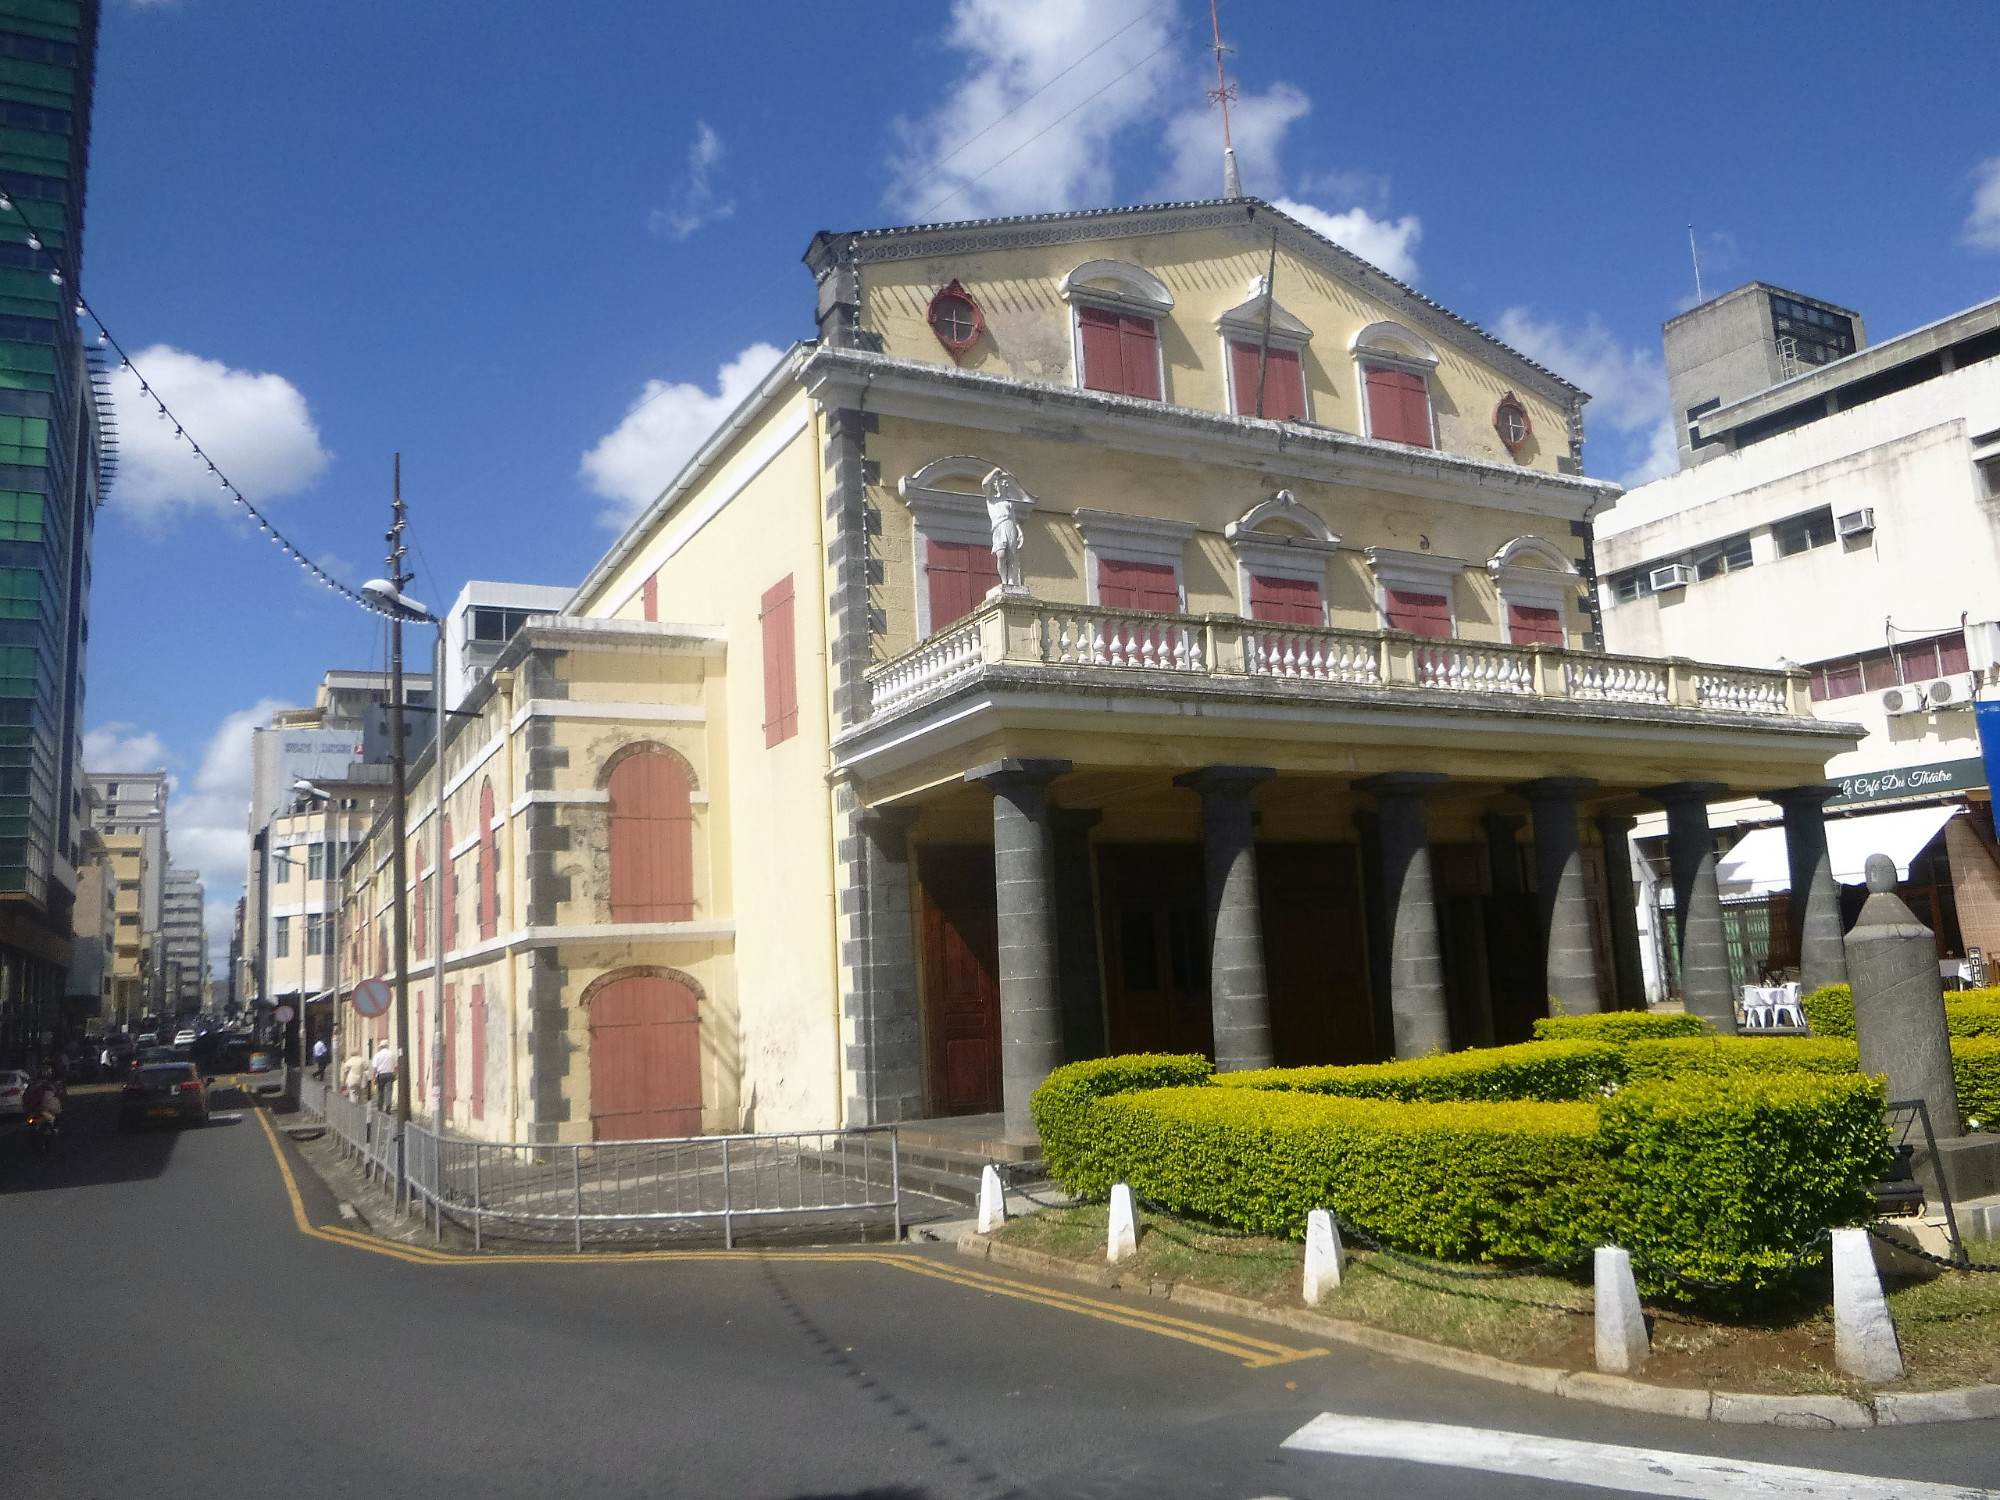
(1950, 1327)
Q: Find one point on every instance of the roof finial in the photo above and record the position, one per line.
(1221, 94)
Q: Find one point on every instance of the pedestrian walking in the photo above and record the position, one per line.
(384, 1064)
(354, 1076)
(320, 1056)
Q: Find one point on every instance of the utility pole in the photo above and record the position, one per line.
(399, 814)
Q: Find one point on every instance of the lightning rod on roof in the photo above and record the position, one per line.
(1220, 95)
(1695, 255)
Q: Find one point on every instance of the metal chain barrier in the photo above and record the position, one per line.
(1967, 1264)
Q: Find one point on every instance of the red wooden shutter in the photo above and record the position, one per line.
(1103, 356)
(1399, 407)
(1528, 625)
(645, 1059)
(1285, 601)
(419, 909)
(1422, 614)
(449, 1085)
(448, 889)
(649, 599)
(781, 688)
(1284, 383)
(1139, 340)
(1134, 585)
(960, 575)
(489, 865)
(478, 1050)
(652, 840)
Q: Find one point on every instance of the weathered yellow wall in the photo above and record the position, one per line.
(1028, 329)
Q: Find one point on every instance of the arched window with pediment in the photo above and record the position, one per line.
(1394, 365)
(1117, 309)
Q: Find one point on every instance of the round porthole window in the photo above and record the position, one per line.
(1510, 420)
(956, 319)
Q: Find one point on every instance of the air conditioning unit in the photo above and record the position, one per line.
(1672, 576)
(1856, 522)
(1954, 691)
(1908, 699)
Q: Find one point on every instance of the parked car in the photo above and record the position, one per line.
(161, 1092)
(148, 1039)
(233, 1056)
(13, 1086)
(184, 1037)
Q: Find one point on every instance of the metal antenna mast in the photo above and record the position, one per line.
(1696, 256)
(1221, 95)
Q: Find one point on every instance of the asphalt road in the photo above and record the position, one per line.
(169, 1331)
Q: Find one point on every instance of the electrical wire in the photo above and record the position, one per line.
(106, 337)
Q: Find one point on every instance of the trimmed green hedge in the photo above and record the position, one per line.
(1548, 1071)
(1728, 1056)
(1061, 1105)
(1969, 1017)
(1725, 1178)
(1617, 1026)
(1830, 1011)
(1975, 1068)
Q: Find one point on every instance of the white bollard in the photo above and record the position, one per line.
(1622, 1344)
(1322, 1255)
(1864, 1335)
(992, 1200)
(1123, 1239)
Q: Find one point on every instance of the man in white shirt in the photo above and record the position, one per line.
(384, 1065)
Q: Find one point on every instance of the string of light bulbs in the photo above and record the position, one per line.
(106, 338)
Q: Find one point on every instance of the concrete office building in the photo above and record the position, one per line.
(52, 453)
(479, 624)
(94, 926)
(1842, 519)
(183, 943)
(130, 812)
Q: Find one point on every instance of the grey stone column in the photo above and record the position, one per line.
(1621, 900)
(1815, 898)
(1571, 957)
(1704, 951)
(1899, 1001)
(1080, 982)
(1238, 998)
(1416, 964)
(878, 951)
(1030, 1012)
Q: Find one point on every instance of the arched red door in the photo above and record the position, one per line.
(652, 840)
(645, 1059)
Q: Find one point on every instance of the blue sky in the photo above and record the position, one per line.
(330, 233)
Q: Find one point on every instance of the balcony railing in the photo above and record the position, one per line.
(1021, 631)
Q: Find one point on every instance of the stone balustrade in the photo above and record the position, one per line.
(1017, 630)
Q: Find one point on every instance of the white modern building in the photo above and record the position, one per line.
(481, 621)
(1846, 518)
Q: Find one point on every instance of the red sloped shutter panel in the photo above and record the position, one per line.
(1139, 342)
(960, 574)
(419, 910)
(450, 1086)
(1284, 383)
(1421, 614)
(478, 1050)
(1529, 626)
(649, 599)
(1132, 585)
(448, 890)
(1399, 407)
(489, 865)
(1103, 357)
(781, 691)
(652, 840)
(1285, 601)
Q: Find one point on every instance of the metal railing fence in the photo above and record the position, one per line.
(602, 1192)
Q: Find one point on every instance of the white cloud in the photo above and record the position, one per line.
(1388, 243)
(114, 747)
(1258, 124)
(1036, 67)
(1982, 225)
(1628, 387)
(637, 459)
(694, 203)
(208, 820)
(256, 426)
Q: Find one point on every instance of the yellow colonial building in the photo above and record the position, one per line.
(1153, 628)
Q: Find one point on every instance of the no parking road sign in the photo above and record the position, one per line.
(282, 1015)
(371, 998)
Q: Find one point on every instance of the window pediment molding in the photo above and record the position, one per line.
(1119, 285)
(1246, 321)
(1275, 554)
(1129, 538)
(1416, 572)
(1392, 344)
(950, 514)
(1533, 571)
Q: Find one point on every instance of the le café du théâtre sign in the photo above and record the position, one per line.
(1909, 781)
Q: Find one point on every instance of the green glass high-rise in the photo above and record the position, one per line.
(51, 459)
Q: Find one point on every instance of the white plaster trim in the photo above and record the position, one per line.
(1134, 289)
(1415, 573)
(463, 847)
(1549, 587)
(565, 708)
(486, 752)
(1129, 538)
(696, 799)
(1271, 554)
(1246, 321)
(740, 478)
(557, 799)
(1417, 354)
(713, 930)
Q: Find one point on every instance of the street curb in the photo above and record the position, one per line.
(1967, 1404)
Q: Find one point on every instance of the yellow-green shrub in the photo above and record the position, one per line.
(1965, 1015)
(1061, 1104)
(1722, 1056)
(1830, 1011)
(1548, 1071)
(1975, 1068)
(1617, 1026)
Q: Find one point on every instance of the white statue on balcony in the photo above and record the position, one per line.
(1007, 505)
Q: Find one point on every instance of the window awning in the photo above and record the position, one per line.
(1759, 865)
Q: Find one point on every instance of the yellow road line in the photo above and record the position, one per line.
(1255, 1353)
